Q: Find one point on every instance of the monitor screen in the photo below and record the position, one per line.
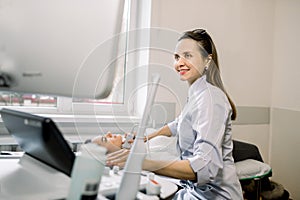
(59, 47)
(40, 138)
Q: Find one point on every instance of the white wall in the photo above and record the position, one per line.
(242, 31)
(286, 93)
(285, 115)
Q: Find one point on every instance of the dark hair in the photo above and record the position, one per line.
(207, 47)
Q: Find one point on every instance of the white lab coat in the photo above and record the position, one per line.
(204, 138)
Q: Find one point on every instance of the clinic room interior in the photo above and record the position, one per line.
(258, 47)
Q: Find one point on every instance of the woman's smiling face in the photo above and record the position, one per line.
(189, 62)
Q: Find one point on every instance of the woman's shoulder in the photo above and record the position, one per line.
(210, 91)
(216, 92)
(210, 97)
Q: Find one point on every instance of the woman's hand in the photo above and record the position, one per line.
(117, 158)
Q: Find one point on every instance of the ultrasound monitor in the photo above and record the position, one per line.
(40, 138)
(60, 47)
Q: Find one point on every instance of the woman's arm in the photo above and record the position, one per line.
(179, 169)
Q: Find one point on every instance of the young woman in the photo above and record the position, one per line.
(206, 167)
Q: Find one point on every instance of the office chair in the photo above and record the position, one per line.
(251, 169)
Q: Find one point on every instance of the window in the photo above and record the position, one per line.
(30, 100)
(55, 104)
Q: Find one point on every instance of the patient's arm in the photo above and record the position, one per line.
(165, 130)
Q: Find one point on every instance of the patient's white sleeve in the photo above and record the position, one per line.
(163, 148)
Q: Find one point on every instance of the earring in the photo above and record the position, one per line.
(205, 69)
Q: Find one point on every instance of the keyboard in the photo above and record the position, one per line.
(110, 182)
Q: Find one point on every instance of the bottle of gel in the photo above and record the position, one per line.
(87, 172)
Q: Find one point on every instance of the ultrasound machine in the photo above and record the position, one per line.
(43, 170)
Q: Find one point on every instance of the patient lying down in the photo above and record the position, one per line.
(158, 148)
